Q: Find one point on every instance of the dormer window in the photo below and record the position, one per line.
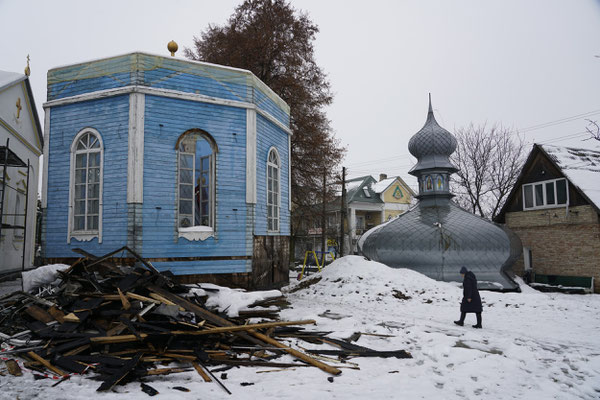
(545, 194)
(366, 192)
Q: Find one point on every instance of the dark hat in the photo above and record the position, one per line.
(463, 270)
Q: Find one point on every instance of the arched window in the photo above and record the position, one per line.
(86, 185)
(273, 190)
(196, 179)
(429, 183)
(439, 183)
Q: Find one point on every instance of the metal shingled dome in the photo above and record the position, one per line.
(432, 139)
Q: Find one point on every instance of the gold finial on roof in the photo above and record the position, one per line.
(27, 69)
(172, 47)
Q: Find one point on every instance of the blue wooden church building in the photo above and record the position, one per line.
(185, 162)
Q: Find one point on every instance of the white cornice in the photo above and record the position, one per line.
(174, 94)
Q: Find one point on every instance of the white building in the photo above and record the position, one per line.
(21, 144)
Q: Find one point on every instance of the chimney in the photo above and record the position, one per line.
(382, 177)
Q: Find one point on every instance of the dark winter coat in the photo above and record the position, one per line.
(470, 292)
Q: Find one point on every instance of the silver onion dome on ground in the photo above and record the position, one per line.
(437, 237)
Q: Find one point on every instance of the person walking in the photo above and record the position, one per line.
(471, 302)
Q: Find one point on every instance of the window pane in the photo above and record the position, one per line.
(92, 223)
(561, 191)
(185, 221)
(93, 207)
(93, 191)
(275, 186)
(186, 161)
(82, 144)
(205, 208)
(185, 207)
(270, 198)
(550, 193)
(204, 220)
(185, 191)
(79, 192)
(80, 207)
(80, 176)
(270, 224)
(185, 176)
(94, 175)
(80, 160)
(528, 189)
(205, 163)
(94, 143)
(539, 195)
(205, 193)
(275, 225)
(79, 223)
(94, 159)
(270, 211)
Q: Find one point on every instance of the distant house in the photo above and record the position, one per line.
(371, 203)
(21, 145)
(555, 209)
(187, 163)
(368, 203)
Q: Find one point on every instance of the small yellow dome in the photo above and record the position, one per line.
(172, 47)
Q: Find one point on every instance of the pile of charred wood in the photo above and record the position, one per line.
(123, 324)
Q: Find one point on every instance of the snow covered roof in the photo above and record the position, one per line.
(380, 186)
(8, 78)
(580, 166)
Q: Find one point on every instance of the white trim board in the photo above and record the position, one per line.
(46, 157)
(251, 156)
(135, 155)
(174, 94)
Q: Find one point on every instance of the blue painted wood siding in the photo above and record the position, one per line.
(110, 117)
(166, 73)
(166, 119)
(267, 136)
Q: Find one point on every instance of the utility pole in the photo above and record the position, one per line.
(342, 213)
(323, 219)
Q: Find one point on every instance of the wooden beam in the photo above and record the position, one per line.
(117, 339)
(201, 372)
(45, 363)
(247, 327)
(216, 320)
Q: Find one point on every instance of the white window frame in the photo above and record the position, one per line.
(545, 205)
(198, 232)
(85, 235)
(277, 219)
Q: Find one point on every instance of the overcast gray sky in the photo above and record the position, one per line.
(519, 63)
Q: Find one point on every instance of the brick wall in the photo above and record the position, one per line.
(561, 242)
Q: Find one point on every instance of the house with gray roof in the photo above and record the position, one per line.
(369, 202)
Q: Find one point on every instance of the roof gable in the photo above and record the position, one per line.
(18, 114)
(361, 190)
(581, 167)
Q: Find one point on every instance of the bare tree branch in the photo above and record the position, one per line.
(489, 161)
(593, 129)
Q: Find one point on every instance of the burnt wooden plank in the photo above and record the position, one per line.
(120, 374)
(13, 368)
(39, 314)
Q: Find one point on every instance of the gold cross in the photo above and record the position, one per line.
(18, 107)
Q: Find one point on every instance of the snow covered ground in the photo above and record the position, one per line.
(533, 346)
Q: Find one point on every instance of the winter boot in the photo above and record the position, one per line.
(461, 321)
(478, 326)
